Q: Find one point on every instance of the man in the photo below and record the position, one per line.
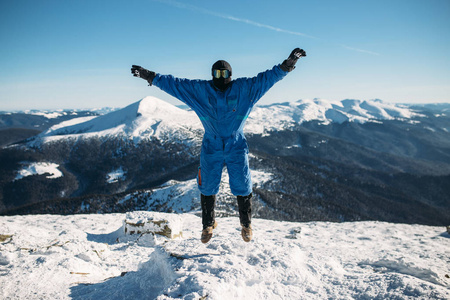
(222, 105)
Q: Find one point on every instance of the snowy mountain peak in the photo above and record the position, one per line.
(149, 117)
(357, 110)
(152, 106)
(154, 118)
(286, 115)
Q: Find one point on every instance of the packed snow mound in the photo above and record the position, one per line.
(147, 118)
(91, 257)
(288, 114)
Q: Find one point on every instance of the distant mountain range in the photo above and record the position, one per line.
(152, 117)
(20, 125)
(324, 160)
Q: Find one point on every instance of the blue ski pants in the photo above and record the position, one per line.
(218, 152)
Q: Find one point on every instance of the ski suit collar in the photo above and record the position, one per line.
(219, 90)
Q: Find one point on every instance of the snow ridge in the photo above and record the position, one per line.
(155, 118)
(286, 115)
(147, 118)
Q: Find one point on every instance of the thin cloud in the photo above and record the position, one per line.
(231, 18)
(360, 50)
(250, 22)
(268, 27)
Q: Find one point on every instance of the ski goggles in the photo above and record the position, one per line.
(221, 73)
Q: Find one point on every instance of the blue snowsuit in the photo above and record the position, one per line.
(223, 115)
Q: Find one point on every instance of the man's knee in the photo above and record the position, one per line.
(240, 179)
(208, 178)
(242, 187)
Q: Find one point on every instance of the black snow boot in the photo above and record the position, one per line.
(208, 217)
(245, 216)
(245, 209)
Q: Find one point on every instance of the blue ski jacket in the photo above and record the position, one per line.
(223, 115)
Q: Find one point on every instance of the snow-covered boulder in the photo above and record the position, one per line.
(139, 222)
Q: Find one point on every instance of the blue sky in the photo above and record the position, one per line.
(78, 54)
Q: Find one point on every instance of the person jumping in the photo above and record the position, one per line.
(223, 105)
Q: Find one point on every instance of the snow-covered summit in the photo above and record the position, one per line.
(149, 117)
(91, 257)
(155, 118)
(285, 115)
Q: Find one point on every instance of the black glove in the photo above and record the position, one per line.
(289, 64)
(140, 72)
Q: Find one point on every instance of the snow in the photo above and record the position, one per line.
(154, 118)
(39, 168)
(47, 114)
(143, 222)
(294, 146)
(90, 257)
(147, 118)
(286, 115)
(115, 176)
(70, 122)
(56, 113)
(259, 178)
(182, 196)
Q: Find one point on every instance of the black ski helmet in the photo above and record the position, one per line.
(221, 83)
(221, 65)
